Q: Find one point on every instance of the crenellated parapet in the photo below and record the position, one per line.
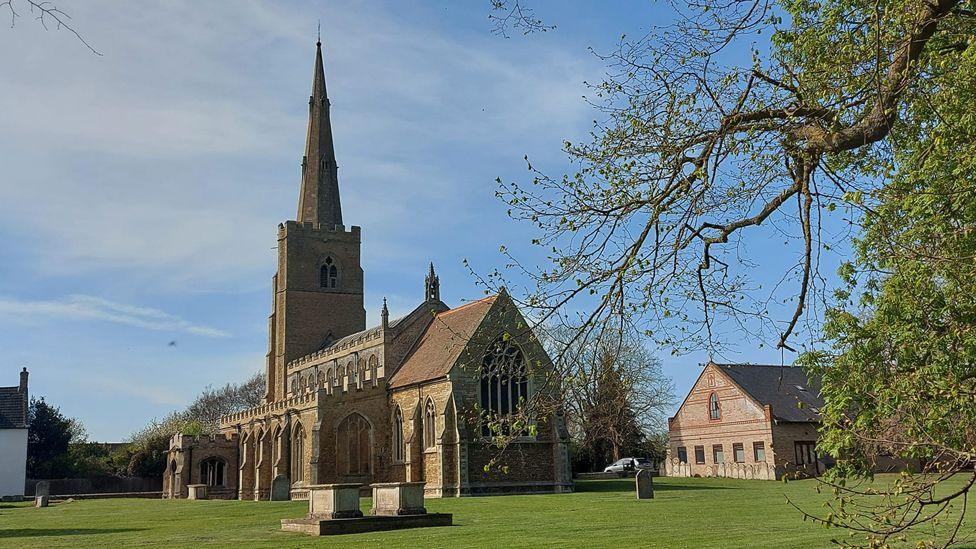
(316, 230)
(358, 341)
(304, 400)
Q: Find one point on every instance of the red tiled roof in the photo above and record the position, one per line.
(439, 347)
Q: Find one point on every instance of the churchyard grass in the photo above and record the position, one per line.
(685, 513)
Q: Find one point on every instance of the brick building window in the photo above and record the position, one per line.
(714, 410)
(738, 453)
(682, 454)
(759, 451)
(212, 472)
(398, 450)
(699, 454)
(718, 455)
(504, 381)
(430, 417)
(806, 452)
(329, 274)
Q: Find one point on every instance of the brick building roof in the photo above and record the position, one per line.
(12, 408)
(438, 348)
(786, 389)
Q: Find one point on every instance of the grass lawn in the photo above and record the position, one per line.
(685, 513)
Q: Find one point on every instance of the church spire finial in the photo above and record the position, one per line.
(385, 315)
(319, 198)
(432, 285)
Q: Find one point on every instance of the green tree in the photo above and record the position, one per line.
(852, 118)
(49, 434)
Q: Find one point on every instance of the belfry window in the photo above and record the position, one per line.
(329, 274)
(212, 472)
(504, 381)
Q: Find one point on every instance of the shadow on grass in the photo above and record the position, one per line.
(627, 485)
(48, 532)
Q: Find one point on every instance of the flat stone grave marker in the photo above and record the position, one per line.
(645, 484)
(42, 488)
(280, 488)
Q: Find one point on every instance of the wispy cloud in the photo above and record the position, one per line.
(85, 307)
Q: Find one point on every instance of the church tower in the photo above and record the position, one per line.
(318, 289)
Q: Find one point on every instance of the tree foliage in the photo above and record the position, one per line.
(147, 451)
(849, 120)
(616, 396)
(49, 435)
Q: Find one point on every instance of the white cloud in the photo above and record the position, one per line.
(84, 307)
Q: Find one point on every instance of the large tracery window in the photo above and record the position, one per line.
(328, 274)
(398, 450)
(353, 446)
(504, 381)
(212, 472)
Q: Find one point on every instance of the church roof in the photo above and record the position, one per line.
(439, 347)
(12, 408)
(791, 395)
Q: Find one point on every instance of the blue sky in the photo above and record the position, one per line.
(140, 190)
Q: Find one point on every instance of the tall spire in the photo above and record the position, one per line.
(319, 198)
(432, 285)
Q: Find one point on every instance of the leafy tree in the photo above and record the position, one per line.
(852, 119)
(615, 392)
(148, 447)
(49, 434)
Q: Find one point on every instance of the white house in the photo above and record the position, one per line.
(13, 438)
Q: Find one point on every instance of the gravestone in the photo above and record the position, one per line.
(41, 501)
(280, 488)
(42, 488)
(196, 491)
(645, 484)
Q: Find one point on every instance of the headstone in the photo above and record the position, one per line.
(196, 491)
(645, 484)
(280, 488)
(41, 501)
(42, 488)
(398, 498)
(332, 501)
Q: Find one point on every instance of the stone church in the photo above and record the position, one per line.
(402, 401)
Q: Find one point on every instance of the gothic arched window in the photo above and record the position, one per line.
(294, 385)
(374, 365)
(298, 454)
(430, 416)
(353, 446)
(714, 410)
(504, 381)
(329, 273)
(212, 472)
(398, 449)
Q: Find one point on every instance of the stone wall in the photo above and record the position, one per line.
(183, 460)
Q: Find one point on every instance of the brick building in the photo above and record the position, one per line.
(747, 421)
(396, 402)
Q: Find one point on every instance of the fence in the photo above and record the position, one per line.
(97, 485)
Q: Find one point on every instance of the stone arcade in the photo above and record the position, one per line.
(393, 403)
